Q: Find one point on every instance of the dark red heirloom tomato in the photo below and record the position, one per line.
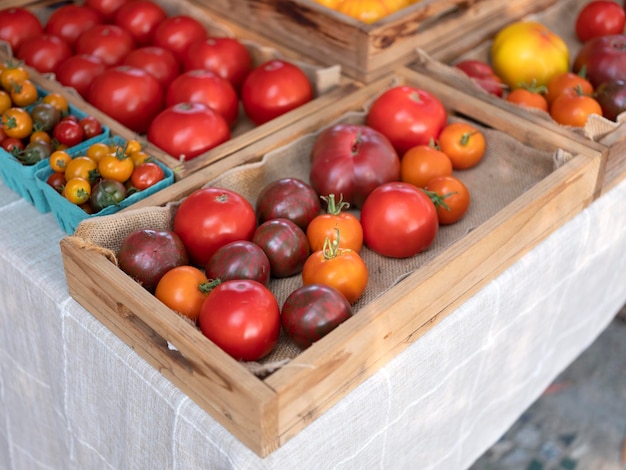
(210, 218)
(70, 21)
(158, 62)
(79, 71)
(274, 88)
(176, 33)
(603, 58)
(140, 18)
(91, 126)
(288, 198)
(18, 24)
(240, 259)
(285, 245)
(311, 312)
(44, 53)
(187, 130)
(107, 41)
(243, 318)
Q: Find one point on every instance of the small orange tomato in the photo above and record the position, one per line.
(140, 157)
(463, 143)
(81, 167)
(335, 218)
(13, 73)
(5, 101)
(77, 190)
(183, 289)
(341, 268)
(116, 167)
(574, 108)
(40, 136)
(567, 81)
(23, 93)
(59, 160)
(132, 146)
(422, 163)
(530, 96)
(451, 198)
(58, 101)
(97, 150)
(17, 123)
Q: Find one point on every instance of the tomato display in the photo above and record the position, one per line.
(243, 318)
(312, 311)
(599, 18)
(285, 245)
(335, 218)
(288, 198)
(241, 259)
(44, 53)
(70, 21)
(399, 220)
(18, 24)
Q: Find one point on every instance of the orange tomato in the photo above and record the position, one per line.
(116, 167)
(97, 150)
(81, 167)
(40, 136)
(463, 143)
(17, 123)
(140, 157)
(5, 101)
(23, 93)
(367, 11)
(567, 81)
(530, 96)
(58, 101)
(77, 190)
(335, 218)
(451, 198)
(59, 160)
(12, 73)
(574, 108)
(422, 163)
(183, 289)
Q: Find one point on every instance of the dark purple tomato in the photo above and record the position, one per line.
(240, 259)
(146, 255)
(312, 311)
(285, 245)
(288, 198)
(107, 192)
(612, 98)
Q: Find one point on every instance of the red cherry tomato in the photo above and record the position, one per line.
(107, 41)
(274, 88)
(44, 53)
(18, 24)
(158, 62)
(70, 21)
(68, 132)
(92, 127)
(176, 33)
(140, 18)
(600, 18)
(146, 175)
(79, 71)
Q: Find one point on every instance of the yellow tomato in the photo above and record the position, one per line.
(527, 51)
(332, 4)
(367, 11)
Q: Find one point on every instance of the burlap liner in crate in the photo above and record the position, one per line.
(508, 169)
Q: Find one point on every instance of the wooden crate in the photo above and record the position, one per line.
(369, 51)
(327, 81)
(559, 18)
(264, 412)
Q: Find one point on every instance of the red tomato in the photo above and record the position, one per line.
(407, 116)
(176, 33)
(187, 130)
(453, 198)
(243, 318)
(12, 144)
(274, 88)
(146, 175)
(600, 18)
(399, 220)
(241, 259)
(70, 21)
(129, 95)
(107, 8)
(203, 86)
(57, 181)
(44, 53)
(288, 198)
(79, 71)
(311, 312)
(602, 58)
(140, 18)
(107, 41)
(158, 62)
(68, 132)
(91, 126)
(18, 24)
(210, 218)
(285, 245)
(483, 75)
(227, 57)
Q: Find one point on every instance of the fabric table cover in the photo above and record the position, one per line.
(74, 396)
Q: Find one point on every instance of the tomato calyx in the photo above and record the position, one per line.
(331, 249)
(208, 286)
(534, 88)
(335, 207)
(438, 201)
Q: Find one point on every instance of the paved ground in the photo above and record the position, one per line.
(580, 420)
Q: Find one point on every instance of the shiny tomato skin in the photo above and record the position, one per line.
(484, 76)
(611, 96)
(68, 132)
(599, 18)
(273, 89)
(106, 8)
(407, 116)
(44, 53)
(140, 18)
(176, 33)
(145, 175)
(455, 196)
(204, 86)
(335, 221)
(603, 58)
(187, 130)
(225, 56)
(109, 42)
(129, 95)
(285, 245)
(243, 318)
(107, 193)
(18, 24)
(92, 127)
(241, 259)
(70, 21)
(399, 220)
(183, 289)
(78, 71)
(288, 198)
(212, 217)
(312, 311)
(157, 61)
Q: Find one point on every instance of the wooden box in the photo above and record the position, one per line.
(265, 410)
(559, 18)
(369, 51)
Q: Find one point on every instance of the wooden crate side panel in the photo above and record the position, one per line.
(616, 159)
(322, 375)
(216, 382)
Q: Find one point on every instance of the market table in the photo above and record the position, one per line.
(74, 396)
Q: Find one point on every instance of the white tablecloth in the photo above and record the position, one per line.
(73, 396)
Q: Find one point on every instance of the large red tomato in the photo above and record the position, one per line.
(106, 41)
(44, 53)
(274, 88)
(70, 21)
(211, 217)
(140, 18)
(603, 58)
(399, 220)
(129, 95)
(186, 130)
(407, 116)
(79, 71)
(107, 8)
(18, 24)
(227, 57)
(158, 62)
(241, 317)
(204, 86)
(350, 160)
(600, 18)
(176, 33)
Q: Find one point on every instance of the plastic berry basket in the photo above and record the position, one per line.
(69, 215)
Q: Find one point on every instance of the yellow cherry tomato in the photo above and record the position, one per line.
(12, 73)
(58, 101)
(97, 150)
(24, 93)
(40, 136)
(116, 167)
(17, 123)
(132, 146)
(77, 190)
(59, 160)
(140, 157)
(5, 101)
(81, 167)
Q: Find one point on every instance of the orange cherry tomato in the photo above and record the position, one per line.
(58, 101)
(567, 81)
(573, 108)
(335, 218)
(40, 136)
(132, 146)
(341, 268)
(24, 93)
(77, 190)
(140, 157)
(81, 167)
(422, 163)
(116, 167)
(5, 101)
(13, 73)
(97, 150)
(59, 160)
(17, 123)
(530, 96)
(451, 198)
(183, 289)
(463, 143)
